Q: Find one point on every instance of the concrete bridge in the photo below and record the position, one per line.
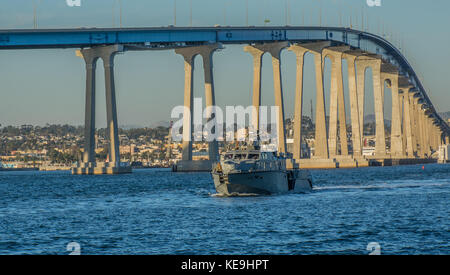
(416, 130)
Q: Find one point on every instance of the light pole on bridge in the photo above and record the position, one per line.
(114, 13)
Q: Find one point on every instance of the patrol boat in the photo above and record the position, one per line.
(250, 171)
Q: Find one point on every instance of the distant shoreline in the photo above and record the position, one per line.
(18, 169)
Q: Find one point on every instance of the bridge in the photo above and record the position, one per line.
(416, 131)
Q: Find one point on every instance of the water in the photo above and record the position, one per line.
(405, 209)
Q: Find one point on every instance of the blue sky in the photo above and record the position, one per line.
(47, 86)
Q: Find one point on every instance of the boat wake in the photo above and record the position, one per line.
(384, 185)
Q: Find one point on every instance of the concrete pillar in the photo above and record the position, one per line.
(390, 74)
(188, 104)
(321, 135)
(421, 129)
(439, 136)
(354, 106)
(256, 96)
(361, 67)
(189, 53)
(91, 55)
(430, 132)
(436, 132)
(380, 140)
(435, 137)
(447, 139)
(402, 115)
(397, 147)
(89, 123)
(213, 146)
(321, 138)
(414, 129)
(337, 102)
(408, 123)
(429, 135)
(374, 62)
(278, 89)
(275, 50)
(298, 109)
(425, 145)
(111, 108)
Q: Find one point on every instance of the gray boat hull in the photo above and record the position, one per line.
(261, 183)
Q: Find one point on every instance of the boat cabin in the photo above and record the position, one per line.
(249, 155)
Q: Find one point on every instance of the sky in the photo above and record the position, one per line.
(48, 86)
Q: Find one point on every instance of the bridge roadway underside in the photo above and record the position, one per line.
(417, 131)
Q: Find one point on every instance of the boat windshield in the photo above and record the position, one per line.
(253, 156)
(228, 156)
(239, 156)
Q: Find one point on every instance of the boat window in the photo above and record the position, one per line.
(229, 156)
(253, 156)
(239, 156)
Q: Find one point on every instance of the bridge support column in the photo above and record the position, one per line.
(337, 102)
(111, 108)
(380, 140)
(403, 122)
(89, 122)
(414, 127)
(189, 55)
(256, 96)
(375, 63)
(390, 74)
(321, 134)
(435, 137)
(278, 88)
(354, 106)
(188, 114)
(438, 137)
(429, 128)
(298, 107)
(425, 140)
(422, 148)
(421, 126)
(210, 99)
(439, 134)
(408, 123)
(361, 66)
(91, 55)
(275, 51)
